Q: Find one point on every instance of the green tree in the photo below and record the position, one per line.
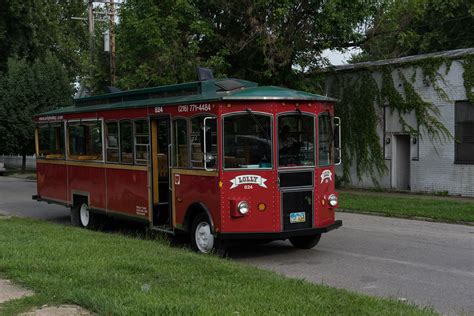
(158, 42)
(411, 27)
(266, 41)
(29, 88)
(33, 29)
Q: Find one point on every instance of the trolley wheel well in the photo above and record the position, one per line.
(78, 199)
(194, 210)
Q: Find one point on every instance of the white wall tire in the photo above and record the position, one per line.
(202, 237)
(84, 215)
(201, 234)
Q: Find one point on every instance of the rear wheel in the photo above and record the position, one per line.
(202, 237)
(305, 242)
(82, 217)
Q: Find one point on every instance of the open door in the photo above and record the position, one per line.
(161, 137)
(401, 162)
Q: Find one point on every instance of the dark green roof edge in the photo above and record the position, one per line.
(275, 93)
(251, 91)
(206, 87)
(131, 104)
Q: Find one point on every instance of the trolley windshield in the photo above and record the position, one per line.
(247, 141)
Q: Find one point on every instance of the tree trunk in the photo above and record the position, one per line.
(23, 164)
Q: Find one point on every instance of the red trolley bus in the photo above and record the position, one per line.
(215, 159)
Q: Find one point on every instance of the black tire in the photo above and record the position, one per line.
(95, 221)
(75, 217)
(201, 221)
(305, 242)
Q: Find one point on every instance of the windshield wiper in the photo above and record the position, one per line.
(249, 111)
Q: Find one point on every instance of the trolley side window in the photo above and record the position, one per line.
(126, 142)
(112, 133)
(247, 141)
(180, 143)
(296, 140)
(85, 140)
(325, 136)
(141, 142)
(51, 141)
(197, 142)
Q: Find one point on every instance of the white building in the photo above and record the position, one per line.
(417, 163)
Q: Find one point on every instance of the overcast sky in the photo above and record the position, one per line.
(337, 58)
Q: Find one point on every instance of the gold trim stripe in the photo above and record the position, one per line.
(92, 164)
(195, 172)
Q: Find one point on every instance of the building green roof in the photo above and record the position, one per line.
(185, 93)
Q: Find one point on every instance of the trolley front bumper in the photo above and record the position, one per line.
(281, 235)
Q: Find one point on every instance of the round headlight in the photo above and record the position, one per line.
(332, 200)
(243, 207)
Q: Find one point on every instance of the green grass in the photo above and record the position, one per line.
(113, 274)
(445, 210)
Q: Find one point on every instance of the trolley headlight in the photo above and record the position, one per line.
(243, 207)
(332, 199)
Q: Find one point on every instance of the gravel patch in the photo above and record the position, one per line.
(62, 310)
(10, 291)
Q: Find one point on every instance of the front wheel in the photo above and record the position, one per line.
(203, 239)
(305, 242)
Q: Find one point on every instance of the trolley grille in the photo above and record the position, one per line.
(297, 208)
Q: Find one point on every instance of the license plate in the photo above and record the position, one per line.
(297, 217)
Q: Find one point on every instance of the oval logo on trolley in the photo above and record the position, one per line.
(248, 179)
(326, 176)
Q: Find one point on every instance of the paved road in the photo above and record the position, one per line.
(15, 198)
(430, 264)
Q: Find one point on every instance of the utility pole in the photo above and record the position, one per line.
(91, 35)
(112, 42)
(110, 18)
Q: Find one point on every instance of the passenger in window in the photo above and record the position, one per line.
(289, 148)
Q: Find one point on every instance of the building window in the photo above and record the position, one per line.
(464, 133)
(180, 143)
(141, 142)
(51, 141)
(85, 140)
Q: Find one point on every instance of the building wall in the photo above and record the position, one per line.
(432, 167)
(15, 161)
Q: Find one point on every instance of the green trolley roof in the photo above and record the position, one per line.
(185, 93)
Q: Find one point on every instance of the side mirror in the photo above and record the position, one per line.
(337, 141)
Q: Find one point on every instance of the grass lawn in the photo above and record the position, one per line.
(438, 209)
(115, 274)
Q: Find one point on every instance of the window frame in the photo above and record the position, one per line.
(190, 129)
(457, 161)
(315, 135)
(132, 141)
(62, 124)
(272, 148)
(188, 140)
(106, 136)
(135, 144)
(101, 120)
(331, 117)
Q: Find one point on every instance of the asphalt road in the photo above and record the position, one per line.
(430, 264)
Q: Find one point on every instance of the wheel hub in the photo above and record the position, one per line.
(84, 214)
(204, 237)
